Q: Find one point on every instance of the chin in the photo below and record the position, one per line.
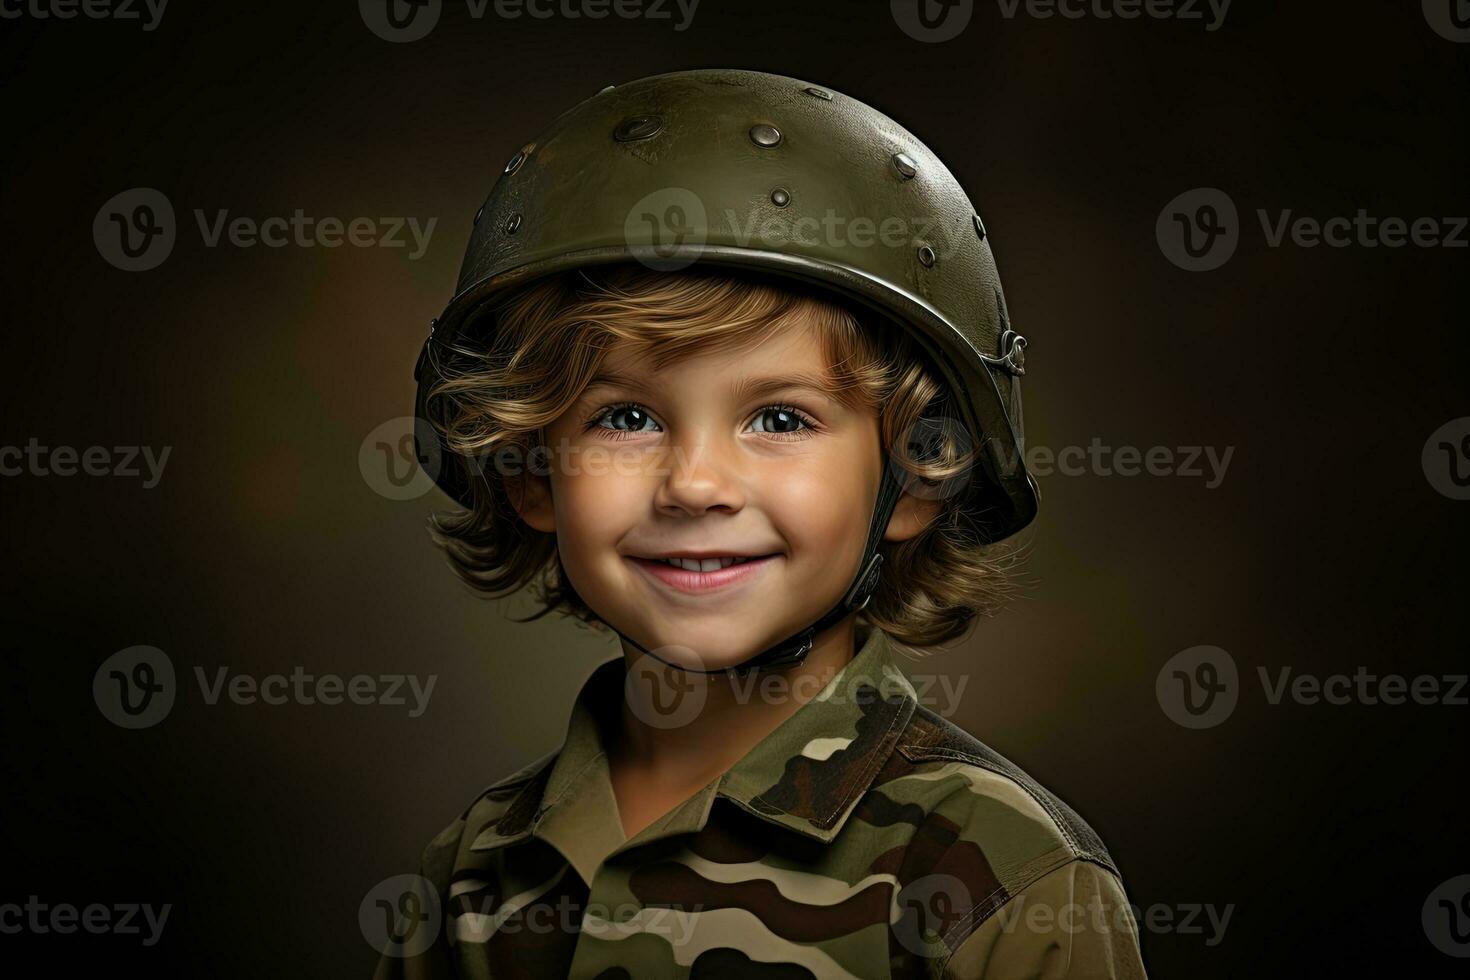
(705, 649)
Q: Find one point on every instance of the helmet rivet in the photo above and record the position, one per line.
(780, 197)
(514, 163)
(979, 227)
(926, 255)
(818, 93)
(512, 223)
(638, 128)
(763, 134)
(606, 88)
(905, 166)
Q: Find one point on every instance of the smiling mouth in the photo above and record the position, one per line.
(703, 575)
(707, 564)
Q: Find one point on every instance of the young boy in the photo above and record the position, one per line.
(728, 374)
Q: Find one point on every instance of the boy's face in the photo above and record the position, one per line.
(688, 460)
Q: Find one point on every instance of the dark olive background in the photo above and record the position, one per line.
(263, 548)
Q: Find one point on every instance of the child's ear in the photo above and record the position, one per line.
(530, 495)
(910, 516)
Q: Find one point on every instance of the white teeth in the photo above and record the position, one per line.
(703, 565)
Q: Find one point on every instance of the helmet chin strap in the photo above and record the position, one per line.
(793, 650)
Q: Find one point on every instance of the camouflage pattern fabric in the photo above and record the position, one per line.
(865, 837)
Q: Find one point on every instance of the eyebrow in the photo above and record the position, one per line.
(742, 388)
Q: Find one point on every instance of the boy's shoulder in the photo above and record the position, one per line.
(505, 807)
(990, 801)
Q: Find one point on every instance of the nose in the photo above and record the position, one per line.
(702, 472)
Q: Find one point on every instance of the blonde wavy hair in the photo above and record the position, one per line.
(543, 343)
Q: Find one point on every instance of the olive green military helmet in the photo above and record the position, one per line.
(748, 170)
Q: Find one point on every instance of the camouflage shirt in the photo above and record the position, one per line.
(866, 836)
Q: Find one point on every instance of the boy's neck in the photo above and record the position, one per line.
(736, 712)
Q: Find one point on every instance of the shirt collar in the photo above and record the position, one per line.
(807, 775)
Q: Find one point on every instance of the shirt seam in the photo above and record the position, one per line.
(925, 754)
(964, 929)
